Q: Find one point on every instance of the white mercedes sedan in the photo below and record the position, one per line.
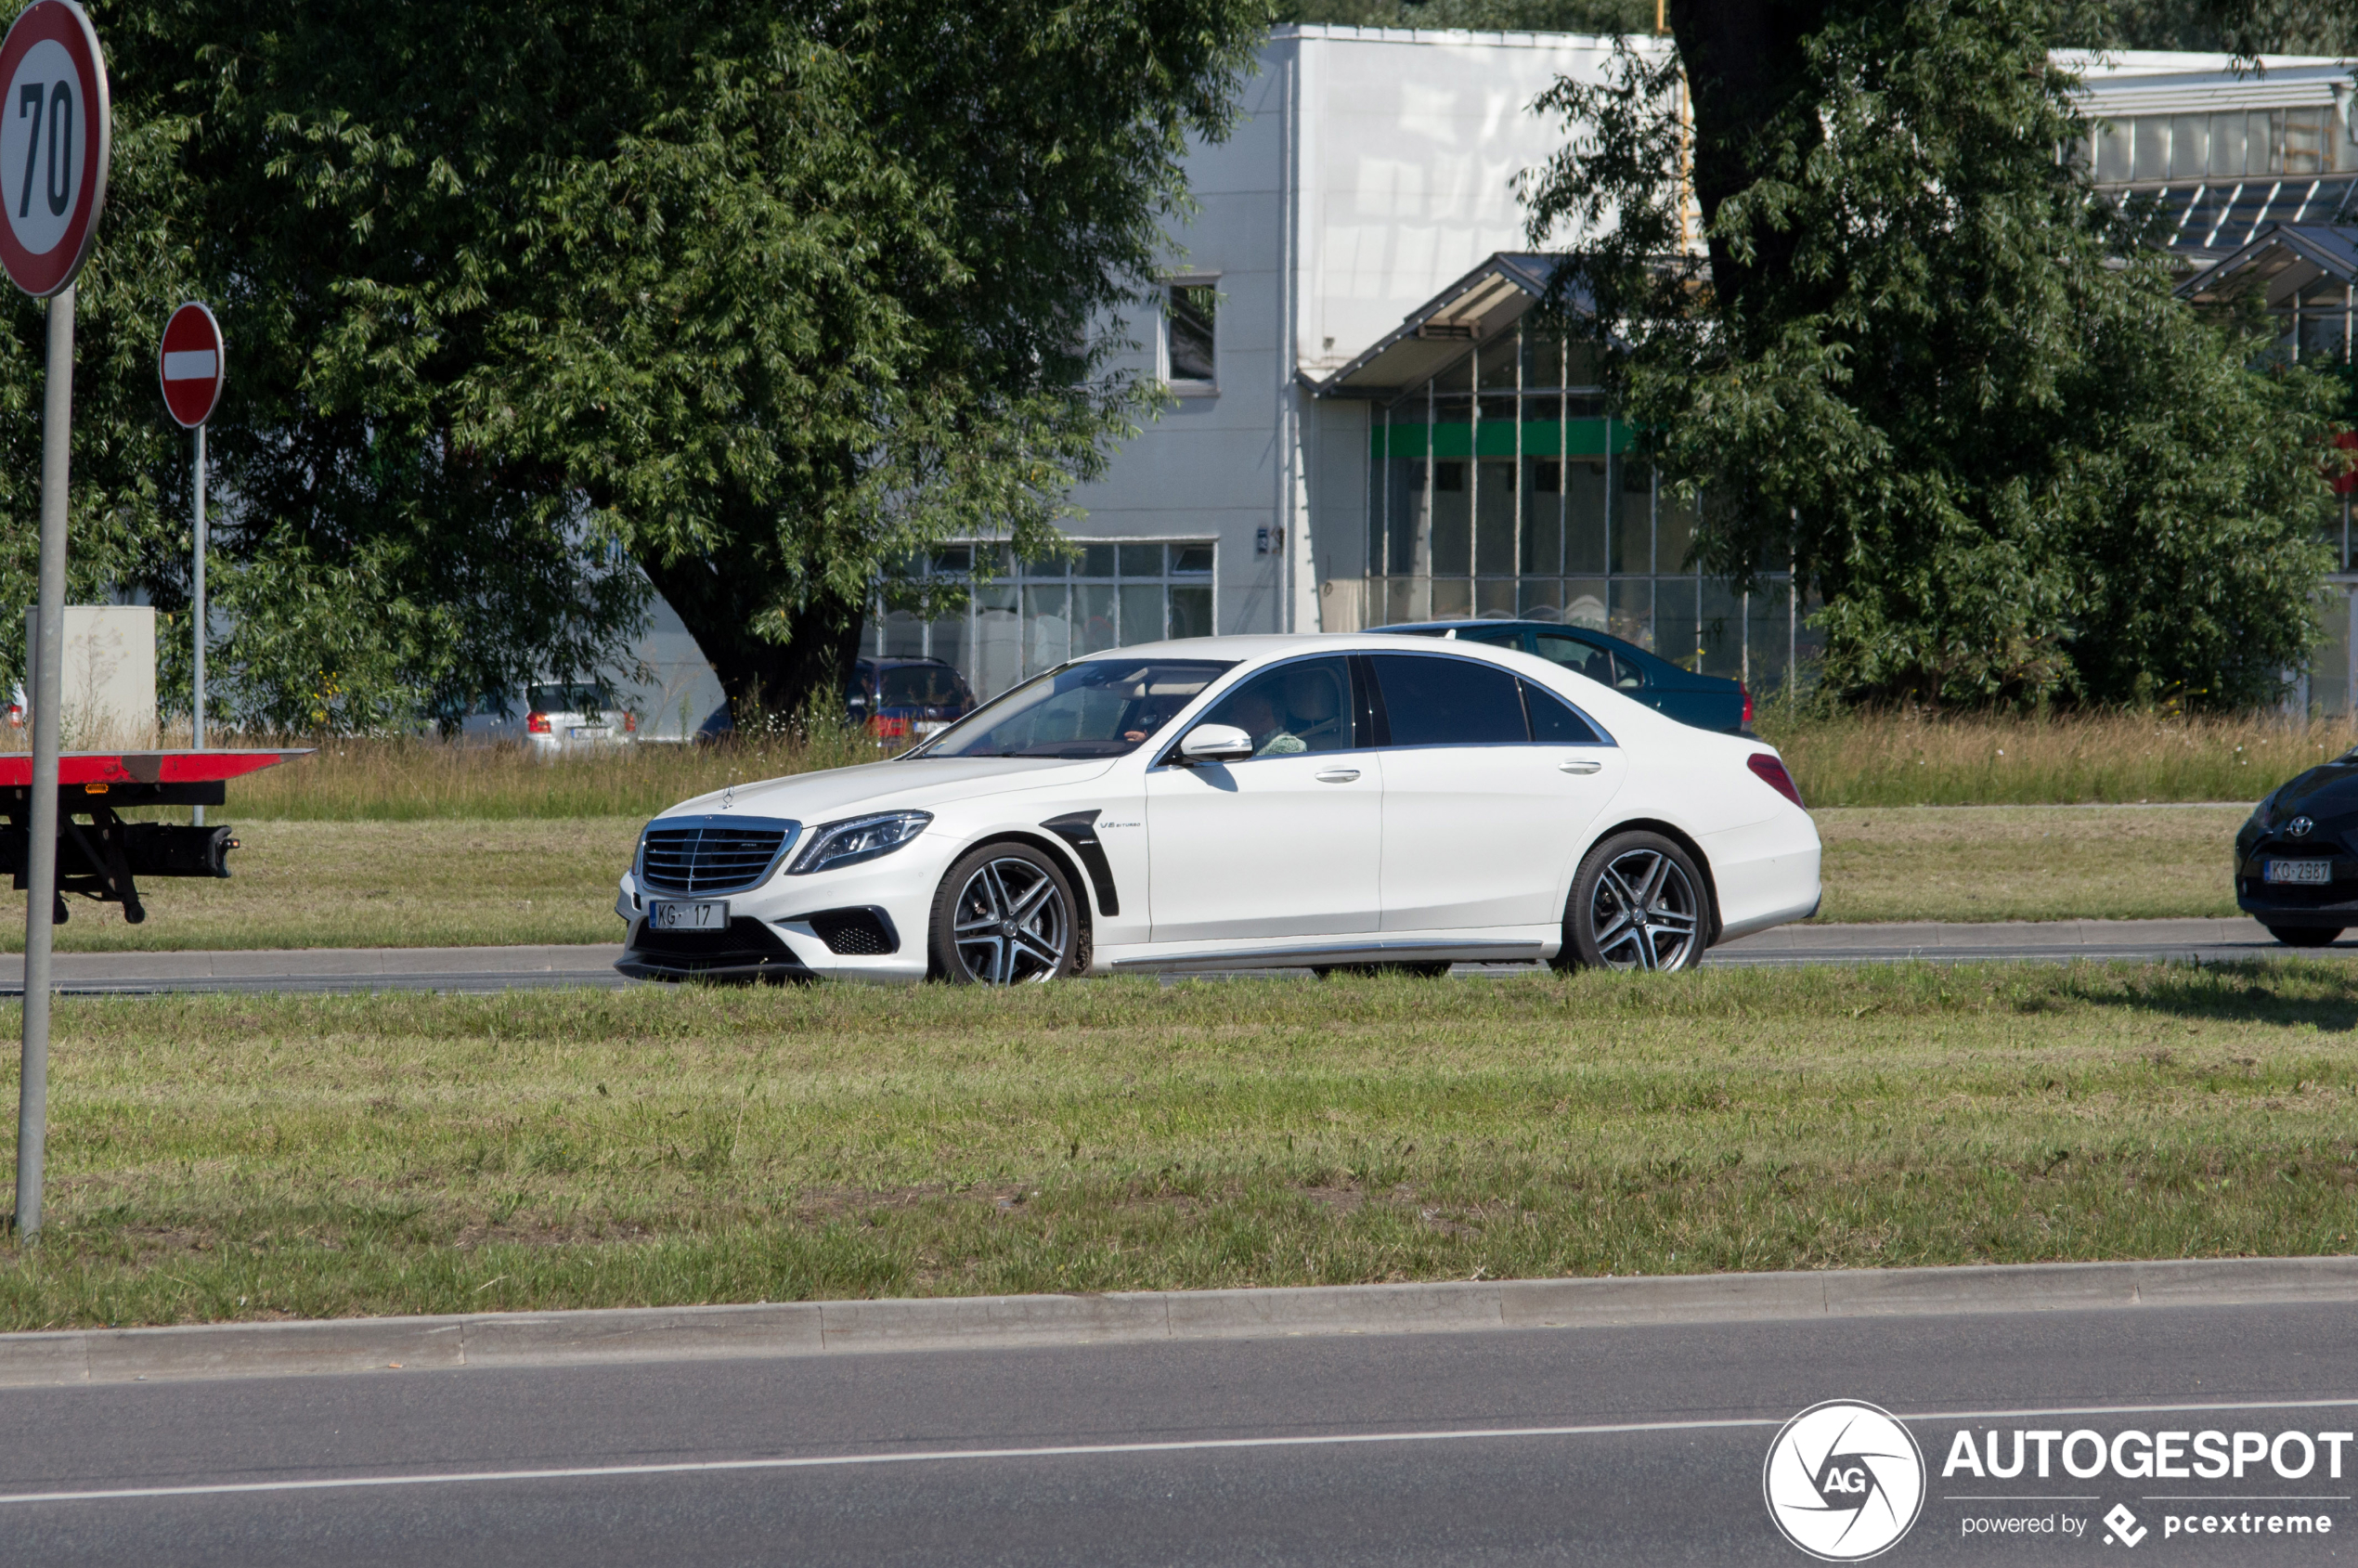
(1330, 803)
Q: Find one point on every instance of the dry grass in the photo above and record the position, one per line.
(1889, 758)
(354, 779)
(242, 1157)
(1912, 758)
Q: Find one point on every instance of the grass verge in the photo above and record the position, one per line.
(218, 1158)
(377, 884)
(472, 882)
(2028, 863)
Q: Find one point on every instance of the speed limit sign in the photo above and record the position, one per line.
(55, 138)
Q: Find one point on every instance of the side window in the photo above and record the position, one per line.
(1555, 720)
(1627, 673)
(1572, 653)
(1294, 708)
(1508, 639)
(1448, 701)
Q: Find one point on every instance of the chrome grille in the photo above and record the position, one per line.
(711, 854)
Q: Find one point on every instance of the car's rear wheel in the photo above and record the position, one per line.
(1639, 903)
(2305, 936)
(1005, 916)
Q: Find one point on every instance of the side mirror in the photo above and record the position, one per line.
(1216, 743)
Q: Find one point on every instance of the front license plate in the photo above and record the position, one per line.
(2310, 872)
(665, 916)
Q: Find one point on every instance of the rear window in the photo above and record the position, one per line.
(1554, 720)
(921, 686)
(577, 698)
(1442, 701)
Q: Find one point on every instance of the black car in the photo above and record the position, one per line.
(2295, 871)
(897, 699)
(1708, 702)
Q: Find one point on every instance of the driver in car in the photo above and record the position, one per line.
(1313, 720)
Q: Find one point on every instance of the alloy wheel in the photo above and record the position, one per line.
(1645, 912)
(1010, 926)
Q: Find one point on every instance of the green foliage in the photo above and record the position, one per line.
(1593, 17)
(1944, 378)
(522, 299)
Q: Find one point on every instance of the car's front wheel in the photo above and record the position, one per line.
(2305, 936)
(1005, 916)
(1638, 904)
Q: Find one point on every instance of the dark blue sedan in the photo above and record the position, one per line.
(1708, 702)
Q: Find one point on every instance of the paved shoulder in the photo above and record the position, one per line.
(365, 968)
(2207, 940)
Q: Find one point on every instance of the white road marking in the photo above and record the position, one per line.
(1087, 1450)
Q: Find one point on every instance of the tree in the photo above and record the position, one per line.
(1923, 363)
(524, 300)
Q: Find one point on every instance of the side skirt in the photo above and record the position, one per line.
(1370, 950)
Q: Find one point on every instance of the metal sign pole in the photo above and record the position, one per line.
(48, 669)
(196, 737)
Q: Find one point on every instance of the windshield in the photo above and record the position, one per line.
(1101, 708)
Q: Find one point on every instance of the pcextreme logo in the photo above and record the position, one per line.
(1843, 1481)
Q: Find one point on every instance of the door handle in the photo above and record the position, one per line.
(1581, 766)
(1336, 775)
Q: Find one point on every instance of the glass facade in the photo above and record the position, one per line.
(1025, 616)
(1504, 487)
(2219, 179)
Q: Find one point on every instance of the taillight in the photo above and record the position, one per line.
(536, 723)
(884, 726)
(631, 720)
(1772, 773)
(1747, 692)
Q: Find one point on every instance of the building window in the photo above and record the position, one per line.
(2254, 144)
(1189, 361)
(1023, 617)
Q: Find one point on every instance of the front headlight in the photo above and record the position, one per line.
(860, 838)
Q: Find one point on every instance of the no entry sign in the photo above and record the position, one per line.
(193, 365)
(55, 139)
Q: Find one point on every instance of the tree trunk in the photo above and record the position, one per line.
(1744, 65)
(719, 601)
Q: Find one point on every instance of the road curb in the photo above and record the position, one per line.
(649, 1334)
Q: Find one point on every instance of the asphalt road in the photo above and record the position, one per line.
(1622, 1446)
(508, 968)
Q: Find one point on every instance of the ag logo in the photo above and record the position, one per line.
(2299, 827)
(1843, 1481)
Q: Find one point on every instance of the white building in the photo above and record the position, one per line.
(1363, 431)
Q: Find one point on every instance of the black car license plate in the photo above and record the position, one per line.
(2308, 873)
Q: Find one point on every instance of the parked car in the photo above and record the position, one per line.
(567, 715)
(1329, 802)
(1708, 702)
(907, 697)
(2294, 870)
